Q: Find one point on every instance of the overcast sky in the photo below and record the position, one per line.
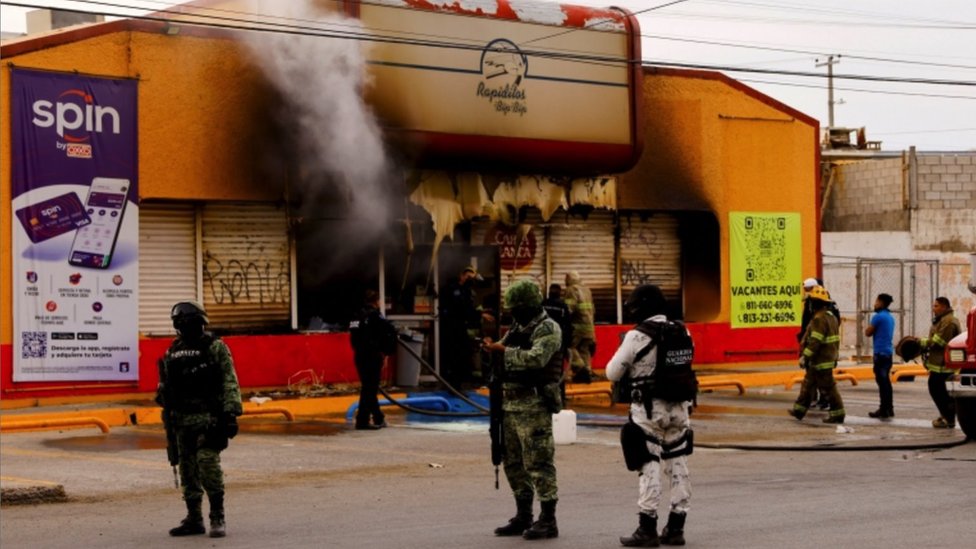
(932, 39)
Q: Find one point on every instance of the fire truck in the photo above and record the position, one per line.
(961, 355)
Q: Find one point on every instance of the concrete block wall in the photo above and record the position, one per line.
(867, 196)
(873, 195)
(946, 215)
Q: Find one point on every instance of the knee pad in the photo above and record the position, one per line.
(684, 446)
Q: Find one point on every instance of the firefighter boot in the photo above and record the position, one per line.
(192, 525)
(545, 527)
(674, 531)
(218, 528)
(645, 535)
(520, 522)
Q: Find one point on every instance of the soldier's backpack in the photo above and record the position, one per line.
(673, 379)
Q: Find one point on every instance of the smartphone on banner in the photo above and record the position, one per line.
(94, 243)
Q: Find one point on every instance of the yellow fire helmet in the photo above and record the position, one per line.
(819, 292)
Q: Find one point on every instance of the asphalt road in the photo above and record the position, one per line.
(319, 484)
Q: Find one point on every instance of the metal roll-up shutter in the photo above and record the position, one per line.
(587, 246)
(246, 266)
(167, 263)
(527, 243)
(650, 253)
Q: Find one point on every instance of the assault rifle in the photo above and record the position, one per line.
(495, 428)
(172, 448)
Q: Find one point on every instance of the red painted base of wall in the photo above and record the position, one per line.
(261, 361)
(715, 343)
(270, 360)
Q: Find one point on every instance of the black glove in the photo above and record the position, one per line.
(230, 425)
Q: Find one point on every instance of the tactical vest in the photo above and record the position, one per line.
(673, 379)
(194, 378)
(551, 373)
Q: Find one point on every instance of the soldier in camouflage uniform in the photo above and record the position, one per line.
(532, 368)
(201, 400)
(579, 299)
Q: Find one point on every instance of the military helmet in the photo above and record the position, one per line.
(644, 302)
(820, 293)
(185, 310)
(523, 293)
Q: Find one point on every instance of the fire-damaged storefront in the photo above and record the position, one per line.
(524, 142)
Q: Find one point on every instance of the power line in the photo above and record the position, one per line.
(861, 90)
(871, 78)
(249, 25)
(636, 13)
(827, 23)
(956, 130)
(830, 11)
(808, 52)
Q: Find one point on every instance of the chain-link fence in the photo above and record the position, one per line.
(854, 285)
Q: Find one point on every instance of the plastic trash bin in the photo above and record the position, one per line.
(408, 367)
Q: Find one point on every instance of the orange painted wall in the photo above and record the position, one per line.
(204, 116)
(714, 144)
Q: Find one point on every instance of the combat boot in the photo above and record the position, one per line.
(546, 526)
(674, 531)
(645, 535)
(218, 528)
(520, 522)
(192, 525)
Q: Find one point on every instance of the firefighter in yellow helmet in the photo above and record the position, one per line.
(820, 344)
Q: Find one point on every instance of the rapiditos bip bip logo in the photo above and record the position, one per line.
(75, 116)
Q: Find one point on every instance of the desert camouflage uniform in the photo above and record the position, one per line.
(667, 426)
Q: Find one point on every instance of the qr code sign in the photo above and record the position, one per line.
(34, 345)
(766, 241)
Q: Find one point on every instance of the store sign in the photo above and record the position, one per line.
(547, 87)
(516, 246)
(766, 262)
(503, 69)
(75, 227)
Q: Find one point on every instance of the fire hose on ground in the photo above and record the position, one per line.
(482, 412)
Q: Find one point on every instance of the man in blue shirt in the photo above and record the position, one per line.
(882, 330)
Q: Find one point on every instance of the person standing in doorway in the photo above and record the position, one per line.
(882, 330)
(579, 299)
(373, 338)
(460, 327)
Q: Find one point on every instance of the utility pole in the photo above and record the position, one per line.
(829, 63)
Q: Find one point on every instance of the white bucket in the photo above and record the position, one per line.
(564, 427)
